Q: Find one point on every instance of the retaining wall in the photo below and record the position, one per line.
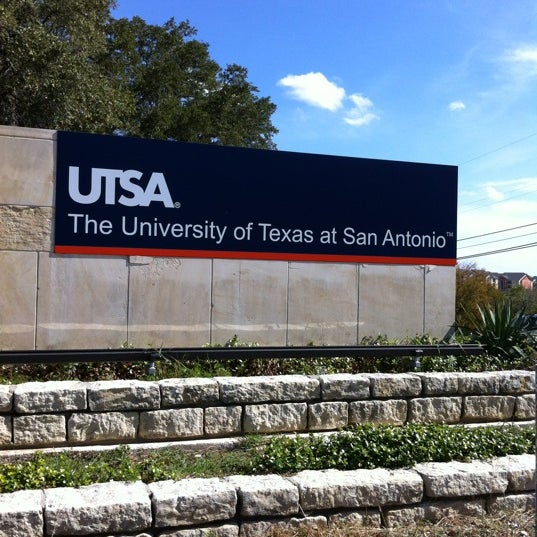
(76, 413)
(44, 414)
(249, 506)
(50, 301)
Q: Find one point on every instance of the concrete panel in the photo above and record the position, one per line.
(391, 300)
(323, 304)
(249, 300)
(169, 302)
(27, 169)
(82, 302)
(439, 300)
(18, 282)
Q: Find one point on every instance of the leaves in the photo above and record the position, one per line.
(72, 66)
(387, 446)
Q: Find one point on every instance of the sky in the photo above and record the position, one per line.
(435, 81)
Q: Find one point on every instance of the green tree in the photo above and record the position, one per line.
(473, 290)
(183, 94)
(51, 69)
(70, 65)
(523, 299)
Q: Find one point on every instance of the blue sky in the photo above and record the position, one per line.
(438, 81)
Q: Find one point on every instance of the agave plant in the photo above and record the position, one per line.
(502, 330)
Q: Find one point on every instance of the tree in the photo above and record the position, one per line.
(181, 93)
(70, 65)
(523, 299)
(473, 290)
(51, 73)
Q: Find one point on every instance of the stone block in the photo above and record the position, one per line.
(189, 502)
(97, 509)
(434, 512)
(6, 397)
(343, 386)
(223, 421)
(435, 410)
(309, 525)
(110, 395)
(510, 503)
(82, 302)
(188, 391)
(18, 281)
(25, 228)
(385, 385)
(268, 389)
(479, 383)
(360, 518)
(249, 300)
(520, 471)
(323, 304)
(27, 171)
(525, 407)
(51, 396)
(389, 412)
(105, 427)
(333, 489)
(275, 418)
(484, 408)
(516, 382)
(21, 514)
(435, 384)
(439, 301)
(39, 430)
(169, 302)
(454, 479)
(400, 313)
(171, 424)
(225, 530)
(6, 430)
(265, 495)
(328, 415)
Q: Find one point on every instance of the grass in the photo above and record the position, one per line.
(364, 446)
(504, 524)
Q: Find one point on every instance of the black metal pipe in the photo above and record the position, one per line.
(227, 353)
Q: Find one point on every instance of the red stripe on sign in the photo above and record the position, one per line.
(267, 256)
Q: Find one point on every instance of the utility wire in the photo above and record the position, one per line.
(495, 232)
(512, 249)
(498, 240)
(496, 202)
(499, 148)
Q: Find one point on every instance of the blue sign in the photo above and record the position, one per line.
(128, 196)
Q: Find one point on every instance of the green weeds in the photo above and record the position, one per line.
(361, 446)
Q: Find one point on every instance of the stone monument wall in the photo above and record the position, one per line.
(50, 301)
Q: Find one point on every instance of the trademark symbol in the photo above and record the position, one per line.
(177, 204)
(449, 233)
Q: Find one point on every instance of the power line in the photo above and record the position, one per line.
(511, 249)
(517, 189)
(499, 148)
(499, 201)
(498, 240)
(495, 232)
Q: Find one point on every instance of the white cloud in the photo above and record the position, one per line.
(360, 113)
(493, 193)
(314, 89)
(511, 206)
(523, 58)
(457, 106)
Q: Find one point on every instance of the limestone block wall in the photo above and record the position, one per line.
(62, 414)
(50, 301)
(249, 506)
